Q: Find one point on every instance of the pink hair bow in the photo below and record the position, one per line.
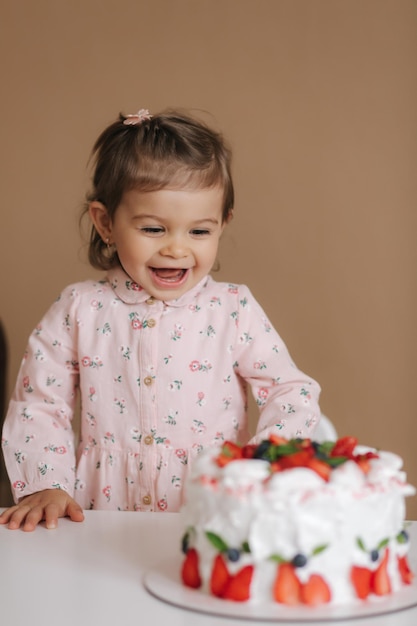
(137, 118)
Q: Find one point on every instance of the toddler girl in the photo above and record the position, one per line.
(161, 353)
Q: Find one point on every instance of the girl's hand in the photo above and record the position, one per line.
(45, 505)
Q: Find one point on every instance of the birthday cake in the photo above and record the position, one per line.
(296, 522)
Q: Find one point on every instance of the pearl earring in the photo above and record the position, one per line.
(110, 247)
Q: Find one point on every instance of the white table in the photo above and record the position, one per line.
(91, 573)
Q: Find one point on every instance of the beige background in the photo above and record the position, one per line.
(318, 99)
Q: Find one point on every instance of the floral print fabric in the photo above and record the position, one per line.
(158, 382)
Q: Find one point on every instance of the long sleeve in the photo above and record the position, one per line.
(38, 441)
(286, 397)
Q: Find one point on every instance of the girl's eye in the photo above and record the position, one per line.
(152, 230)
(200, 232)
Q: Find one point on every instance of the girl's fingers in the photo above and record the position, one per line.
(75, 512)
(17, 515)
(48, 505)
(6, 515)
(32, 518)
(51, 515)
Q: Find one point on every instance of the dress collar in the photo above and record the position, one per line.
(131, 293)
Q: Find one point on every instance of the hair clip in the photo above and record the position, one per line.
(142, 115)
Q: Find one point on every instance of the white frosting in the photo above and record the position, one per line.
(296, 512)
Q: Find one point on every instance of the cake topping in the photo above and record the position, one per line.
(284, 454)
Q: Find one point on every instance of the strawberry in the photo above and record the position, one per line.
(230, 451)
(320, 467)
(363, 463)
(315, 591)
(370, 455)
(190, 573)
(344, 447)
(381, 584)
(276, 440)
(307, 444)
(248, 450)
(287, 587)
(297, 459)
(238, 587)
(219, 577)
(361, 578)
(405, 571)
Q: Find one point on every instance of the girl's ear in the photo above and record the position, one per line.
(101, 220)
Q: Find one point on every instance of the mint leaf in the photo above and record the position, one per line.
(361, 545)
(277, 558)
(320, 549)
(245, 547)
(217, 541)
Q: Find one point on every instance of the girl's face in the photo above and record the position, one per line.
(166, 240)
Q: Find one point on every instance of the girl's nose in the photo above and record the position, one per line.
(175, 248)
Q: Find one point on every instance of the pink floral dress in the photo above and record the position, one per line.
(158, 382)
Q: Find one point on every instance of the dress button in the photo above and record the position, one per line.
(151, 323)
(148, 380)
(147, 500)
(150, 300)
(148, 440)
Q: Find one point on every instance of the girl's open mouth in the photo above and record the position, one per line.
(168, 277)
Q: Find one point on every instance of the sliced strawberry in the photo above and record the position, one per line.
(371, 455)
(381, 584)
(363, 462)
(405, 571)
(315, 591)
(238, 587)
(219, 577)
(307, 444)
(276, 440)
(361, 578)
(248, 450)
(297, 459)
(190, 573)
(320, 467)
(287, 587)
(230, 451)
(344, 447)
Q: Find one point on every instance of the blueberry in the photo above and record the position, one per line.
(299, 560)
(261, 451)
(374, 554)
(233, 554)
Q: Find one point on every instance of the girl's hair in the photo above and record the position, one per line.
(166, 151)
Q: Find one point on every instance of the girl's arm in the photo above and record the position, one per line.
(287, 398)
(37, 439)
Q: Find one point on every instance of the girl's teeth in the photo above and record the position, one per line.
(169, 274)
